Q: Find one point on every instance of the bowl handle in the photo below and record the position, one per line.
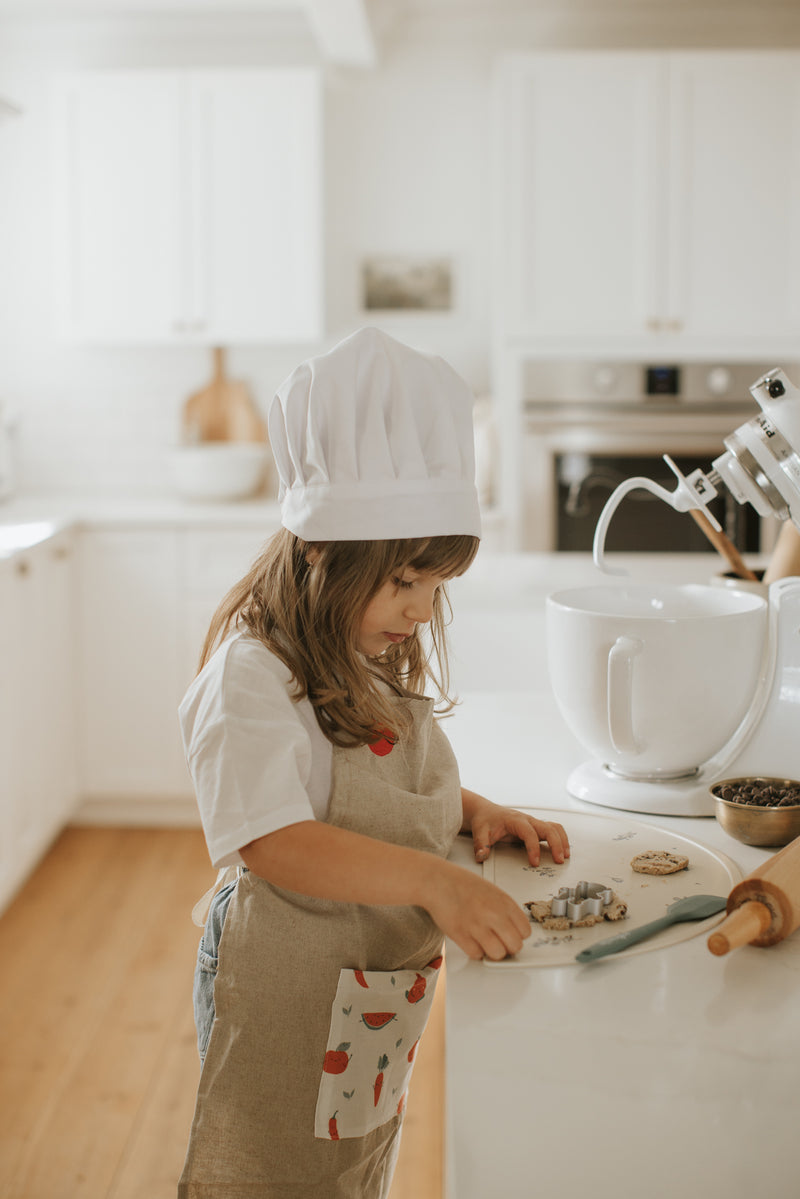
(620, 694)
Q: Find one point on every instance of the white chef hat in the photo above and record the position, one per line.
(373, 441)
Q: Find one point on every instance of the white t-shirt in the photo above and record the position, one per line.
(258, 760)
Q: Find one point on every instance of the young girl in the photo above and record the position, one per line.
(323, 778)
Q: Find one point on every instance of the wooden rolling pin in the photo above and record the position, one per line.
(764, 907)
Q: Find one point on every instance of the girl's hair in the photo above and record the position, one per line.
(305, 602)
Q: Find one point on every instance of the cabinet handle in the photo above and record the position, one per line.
(61, 552)
(23, 567)
(653, 325)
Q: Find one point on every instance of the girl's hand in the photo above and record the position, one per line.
(490, 823)
(481, 918)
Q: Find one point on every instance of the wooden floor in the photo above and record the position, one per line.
(99, 1067)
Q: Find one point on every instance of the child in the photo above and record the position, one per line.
(321, 775)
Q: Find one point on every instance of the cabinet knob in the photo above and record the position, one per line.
(22, 567)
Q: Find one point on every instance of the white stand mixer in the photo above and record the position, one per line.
(767, 742)
(760, 467)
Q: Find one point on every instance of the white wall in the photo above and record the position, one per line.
(408, 157)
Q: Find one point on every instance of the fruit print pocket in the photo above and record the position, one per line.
(377, 1020)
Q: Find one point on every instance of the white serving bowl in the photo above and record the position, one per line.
(654, 680)
(219, 470)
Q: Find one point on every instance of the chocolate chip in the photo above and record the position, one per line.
(760, 793)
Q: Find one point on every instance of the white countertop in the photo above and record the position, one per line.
(98, 508)
(671, 1071)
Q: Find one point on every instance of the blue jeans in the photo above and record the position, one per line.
(206, 967)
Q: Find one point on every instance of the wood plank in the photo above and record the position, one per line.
(420, 1165)
(100, 1066)
(78, 1039)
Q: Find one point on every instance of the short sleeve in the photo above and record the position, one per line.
(248, 750)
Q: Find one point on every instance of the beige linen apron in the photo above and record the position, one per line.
(319, 1004)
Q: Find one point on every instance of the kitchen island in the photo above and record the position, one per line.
(669, 1071)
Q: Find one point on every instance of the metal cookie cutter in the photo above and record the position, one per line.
(585, 899)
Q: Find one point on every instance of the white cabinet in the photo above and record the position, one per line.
(190, 206)
(38, 782)
(577, 204)
(147, 596)
(649, 197)
(734, 240)
(131, 664)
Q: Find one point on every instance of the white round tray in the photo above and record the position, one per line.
(601, 852)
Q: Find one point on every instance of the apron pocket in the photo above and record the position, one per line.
(377, 1019)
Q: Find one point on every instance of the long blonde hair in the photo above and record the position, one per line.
(307, 609)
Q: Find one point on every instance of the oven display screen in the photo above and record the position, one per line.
(662, 380)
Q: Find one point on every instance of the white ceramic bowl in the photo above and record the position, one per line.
(654, 680)
(219, 470)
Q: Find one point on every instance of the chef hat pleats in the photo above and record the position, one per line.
(372, 441)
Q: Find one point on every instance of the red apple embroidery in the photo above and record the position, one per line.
(385, 743)
(336, 1060)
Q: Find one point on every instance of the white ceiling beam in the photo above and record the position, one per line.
(343, 31)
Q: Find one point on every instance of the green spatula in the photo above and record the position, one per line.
(693, 907)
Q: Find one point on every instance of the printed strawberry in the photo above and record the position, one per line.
(413, 1050)
(362, 982)
(385, 743)
(417, 990)
(435, 963)
(383, 1062)
(333, 1131)
(336, 1059)
(377, 1020)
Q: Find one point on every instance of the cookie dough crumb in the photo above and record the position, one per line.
(658, 861)
(539, 910)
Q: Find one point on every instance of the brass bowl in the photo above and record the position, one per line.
(753, 824)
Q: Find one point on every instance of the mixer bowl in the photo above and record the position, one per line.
(754, 824)
(654, 680)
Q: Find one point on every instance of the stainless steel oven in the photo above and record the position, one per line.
(589, 425)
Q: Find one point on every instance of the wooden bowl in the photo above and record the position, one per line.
(755, 824)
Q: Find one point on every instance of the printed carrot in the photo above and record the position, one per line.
(333, 1131)
(362, 982)
(383, 1062)
(413, 1050)
(435, 963)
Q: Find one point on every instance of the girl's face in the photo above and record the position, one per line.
(403, 602)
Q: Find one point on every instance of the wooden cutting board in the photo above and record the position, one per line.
(601, 852)
(222, 411)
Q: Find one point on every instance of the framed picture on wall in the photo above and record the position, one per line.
(406, 284)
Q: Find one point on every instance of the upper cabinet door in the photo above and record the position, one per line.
(119, 205)
(580, 217)
(257, 202)
(651, 200)
(735, 194)
(190, 206)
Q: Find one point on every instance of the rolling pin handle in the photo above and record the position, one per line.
(741, 926)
